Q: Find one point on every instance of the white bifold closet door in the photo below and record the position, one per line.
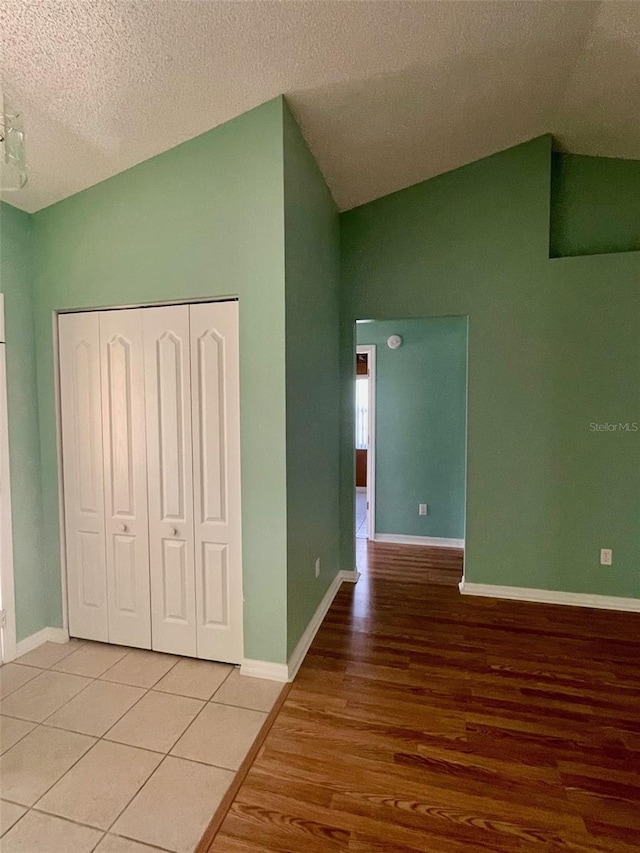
(151, 463)
(169, 451)
(105, 476)
(81, 417)
(215, 385)
(125, 477)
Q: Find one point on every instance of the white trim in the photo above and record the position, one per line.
(428, 541)
(361, 489)
(57, 398)
(288, 671)
(125, 306)
(370, 350)
(573, 599)
(350, 576)
(264, 669)
(307, 638)
(46, 635)
(7, 590)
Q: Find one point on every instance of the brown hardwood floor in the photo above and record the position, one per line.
(423, 720)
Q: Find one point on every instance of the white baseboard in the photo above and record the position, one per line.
(287, 671)
(573, 599)
(264, 669)
(352, 576)
(429, 541)
(46, 635)
(306, 639)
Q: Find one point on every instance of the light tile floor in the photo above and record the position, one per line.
(117, 750)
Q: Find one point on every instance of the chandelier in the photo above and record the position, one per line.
(13, 168)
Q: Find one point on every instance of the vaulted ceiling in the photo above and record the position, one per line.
(387, 93)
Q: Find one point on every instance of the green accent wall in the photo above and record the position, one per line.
(420, 425)
(595, 205)
(16, 284)
(204, 219)
(552, 348)
(312, 264)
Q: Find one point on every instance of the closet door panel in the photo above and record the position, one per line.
(125, 477)
(81, 419)
(167, 368)
(216, 439)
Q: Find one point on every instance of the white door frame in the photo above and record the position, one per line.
(370, 350)
(7, 594)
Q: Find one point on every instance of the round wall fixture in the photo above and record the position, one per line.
(394, 342)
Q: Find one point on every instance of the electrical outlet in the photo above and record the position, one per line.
(318, 567)
(423, 509)
(606, 556)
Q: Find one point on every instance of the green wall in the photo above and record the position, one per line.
(420, 425)
(16, 284)
(553, 348)
(312, 259)
(203, 219)
(595, 205)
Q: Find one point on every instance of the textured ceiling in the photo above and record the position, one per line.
(387, 93)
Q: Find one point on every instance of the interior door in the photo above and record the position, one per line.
(170, 477)
(216, 471)
(125, 477)
(79, 336)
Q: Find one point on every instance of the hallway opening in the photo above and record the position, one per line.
(410, 432)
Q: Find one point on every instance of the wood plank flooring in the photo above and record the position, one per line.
(423, 720)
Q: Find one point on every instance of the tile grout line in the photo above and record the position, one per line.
(130, 801)
(73, 650)
(22, 737)
(49, 814)
(240, 707)
(104, 832)
(40, 671)
(137, 841)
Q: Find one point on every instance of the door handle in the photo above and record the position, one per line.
(174, 531)
(123, 528)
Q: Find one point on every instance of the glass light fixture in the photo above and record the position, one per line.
(13, 166)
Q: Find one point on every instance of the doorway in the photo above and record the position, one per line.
(365, 450)
(410, 432)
